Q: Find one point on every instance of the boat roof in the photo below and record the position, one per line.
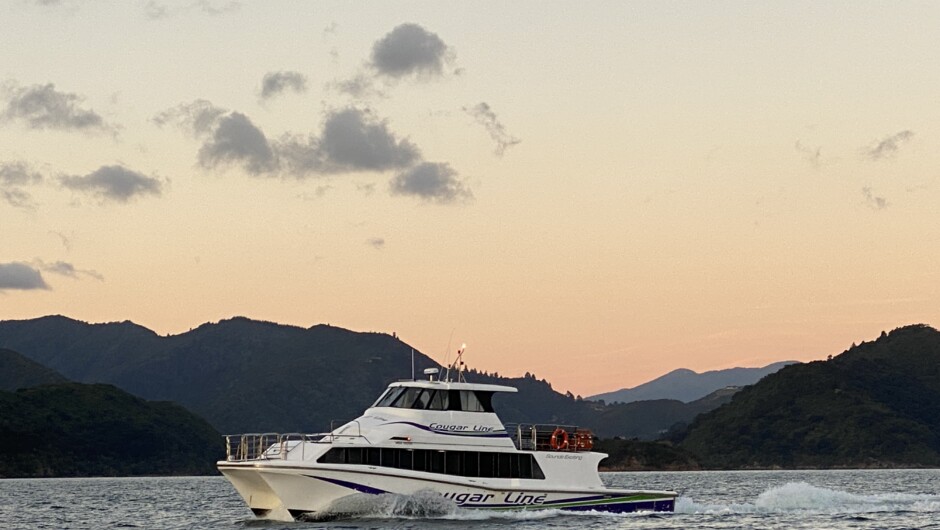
(450, 385)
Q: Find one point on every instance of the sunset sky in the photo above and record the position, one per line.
(596, 193)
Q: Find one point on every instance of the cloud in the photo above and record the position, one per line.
(200, 117)
(216, 8)
(812, 155)
(485, 116)
(64, 268)
(237, 140)
(18, 173)
(275, 83)
(873, 201)
(376, 242)
(228, 137)
(13, 176)
(155, 10)
(407, 50)
(435, 182)
(66, 240)
(20, 276)
(115, 183)
(359, 86)
(351, 140)
(44, 107)
(889, 146)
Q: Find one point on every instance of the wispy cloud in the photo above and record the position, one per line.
(217, 8)
(276, 83)
(20, 276)
(874, 202)
(889, 146)
(14, 178)
(436, 182)
(813, 155)
(114, 183)
(44, 107)
(199, 117)
(485, 116)
(64, 268)
(360, 86)
(156, 10)
(65, 239)
(409, 50)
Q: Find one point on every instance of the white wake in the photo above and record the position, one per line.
(803, 497)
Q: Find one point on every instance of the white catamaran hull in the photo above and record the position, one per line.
(288, 492)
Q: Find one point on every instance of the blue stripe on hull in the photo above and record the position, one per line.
(664, 505)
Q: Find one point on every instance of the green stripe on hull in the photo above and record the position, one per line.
(598, 502)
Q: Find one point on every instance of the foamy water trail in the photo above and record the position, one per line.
(803, 497)
(430, 505)
(794, 497)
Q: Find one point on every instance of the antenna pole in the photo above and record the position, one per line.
(412, 364)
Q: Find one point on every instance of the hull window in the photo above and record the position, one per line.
(483, 464)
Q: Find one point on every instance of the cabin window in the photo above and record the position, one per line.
(389, 397)
(484, 464)
(431, 399)
(439, 400)
(421, 402)
(407, 398)
(471, 401)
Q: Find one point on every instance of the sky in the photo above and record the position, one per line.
(594, 193)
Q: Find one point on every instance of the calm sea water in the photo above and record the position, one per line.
(762, 500)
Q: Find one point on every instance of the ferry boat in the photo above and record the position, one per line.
(432, 435)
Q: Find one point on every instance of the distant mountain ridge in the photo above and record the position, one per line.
(245, 375)
(686, 385)
(16, 371)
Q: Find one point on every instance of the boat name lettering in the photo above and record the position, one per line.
(563, 456)
(460, 428)
(519, 498)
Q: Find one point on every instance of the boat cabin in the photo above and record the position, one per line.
(440, 396)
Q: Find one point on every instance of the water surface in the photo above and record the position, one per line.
(711, 500)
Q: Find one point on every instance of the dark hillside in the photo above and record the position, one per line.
(73, 429)
(876, 404)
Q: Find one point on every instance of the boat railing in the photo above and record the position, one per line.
(277, 446)
(550, 437)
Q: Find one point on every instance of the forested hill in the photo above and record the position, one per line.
(876, 404)
(248, 376)
(74, 429)
(17, 371)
